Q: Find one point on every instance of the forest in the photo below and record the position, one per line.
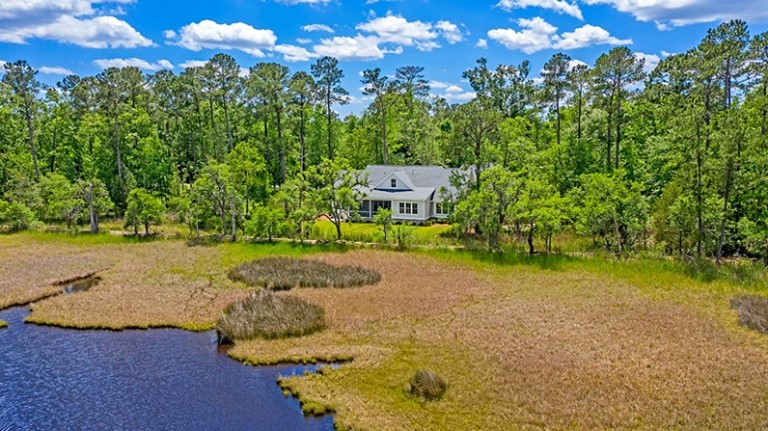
(671, 161)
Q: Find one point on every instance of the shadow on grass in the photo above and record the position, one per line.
(553, 262)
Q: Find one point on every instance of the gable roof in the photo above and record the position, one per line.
(402, 178)
(421, 180)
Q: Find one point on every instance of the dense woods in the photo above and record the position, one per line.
(673, 160)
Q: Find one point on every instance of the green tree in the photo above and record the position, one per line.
(336, 191)
(143, 209)
(328, 77)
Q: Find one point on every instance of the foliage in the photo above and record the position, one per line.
(143, 209)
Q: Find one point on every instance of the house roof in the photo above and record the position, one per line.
(429, 177)
(401, 176)
(419, 194)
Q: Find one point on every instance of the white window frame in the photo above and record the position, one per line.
(409, 208)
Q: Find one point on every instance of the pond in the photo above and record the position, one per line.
(163, 379)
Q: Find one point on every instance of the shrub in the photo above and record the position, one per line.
(427, 385)
(20, 218)
(752, 311)
(283, 273)
(265, 315)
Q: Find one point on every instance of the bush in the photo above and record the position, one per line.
(752, 311)
(265, 315)
(20, 218)
(283, 273)
(427, 385)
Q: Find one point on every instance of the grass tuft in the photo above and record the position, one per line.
(265, 315)
(3, 324)
(284, 273)
(427, 385)
(752, 311)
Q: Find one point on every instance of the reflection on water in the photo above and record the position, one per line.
(53, 379)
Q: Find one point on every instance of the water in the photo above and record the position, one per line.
(54, 379)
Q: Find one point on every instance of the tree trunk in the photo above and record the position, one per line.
(384, 148)
(229, 130)
(118, 152)
(302, 131)
(618, 130)
(330, 121)
(92, 211)
(531, 251)
(32, 148)
(557, 112)
(726, 197)
(699, 204)
(281, 145)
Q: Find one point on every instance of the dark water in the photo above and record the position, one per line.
(54, 379)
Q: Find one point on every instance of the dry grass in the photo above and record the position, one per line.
(285, 273)
(266, 315)
(576, 346)
(428, 385)
(753, 312)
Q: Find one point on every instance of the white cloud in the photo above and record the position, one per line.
(438, 84)
(133, 62)
(450, 31)
(293, 53)
(55, 70)
(454, 89)
(482, 43)
(666, 54)
(304, 41)
(351, 48)
(683, 12)
(537, 35)
(192, 63)
(559, 6)
(311, 2)
(587, 35)
(651, 61)
(78, 22)
(318, 27)
(208, 34)
(460, 97)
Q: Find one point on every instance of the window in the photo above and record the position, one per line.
(393, 183)
(443, 208)
(410, 208)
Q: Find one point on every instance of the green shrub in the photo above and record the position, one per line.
(283, 273)
(266, 315)
(20, 218)
(427, 385)
(752, 311)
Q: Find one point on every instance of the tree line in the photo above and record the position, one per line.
(672, 159)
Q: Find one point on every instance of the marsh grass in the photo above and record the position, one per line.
(428, 385)
(266, 315)
(752, 311)
(3, 324)
(284, 273)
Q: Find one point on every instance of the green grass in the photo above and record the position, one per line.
(3, 324)
(265, 315)
(437, 234)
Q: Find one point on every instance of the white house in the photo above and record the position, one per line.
(413, 193)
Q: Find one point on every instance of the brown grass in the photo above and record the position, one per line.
(266, 315)
(753, 311)
(285, 273)
(522, 348)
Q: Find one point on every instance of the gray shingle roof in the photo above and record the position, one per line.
(420, 176)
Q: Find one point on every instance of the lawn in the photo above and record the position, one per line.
(522, 343)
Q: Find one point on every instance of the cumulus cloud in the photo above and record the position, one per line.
(351, 48)
(537, 35)
(683, 12)
(193, 63)
(293, 53)
(650, 61)
(397, 30)
(559, 6)
(55, 70)
(318, 27)
(482, 43)
(209, 34)
(133, 62)
(78, 22)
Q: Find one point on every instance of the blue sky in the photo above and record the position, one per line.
(445, 37)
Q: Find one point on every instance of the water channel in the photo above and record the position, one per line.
(163, 379)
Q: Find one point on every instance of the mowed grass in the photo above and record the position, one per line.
(522, 343)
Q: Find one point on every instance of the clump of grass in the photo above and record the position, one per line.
(284, 273)
(428, 385)
(3, 324)
(753, 312)
(265, 315)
